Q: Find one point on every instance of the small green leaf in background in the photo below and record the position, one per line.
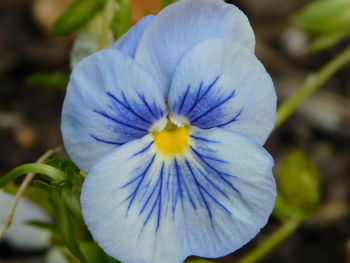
(324, 15)
(327, 20)
(40, 224)
(328, 40)
(122, 20)
(298, 183)
(52, 80)
(76, 16)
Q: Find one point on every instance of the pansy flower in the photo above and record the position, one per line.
(169, 125)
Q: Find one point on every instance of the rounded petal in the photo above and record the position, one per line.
(20, 234)
(110, 100)
(143, 207)
(128, 43)
(182, 25)
(221, 84)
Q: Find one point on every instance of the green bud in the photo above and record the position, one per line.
(298, 184)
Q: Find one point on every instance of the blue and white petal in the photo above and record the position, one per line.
(143, 207)
(129, 42)
(182, 25)
(221, 84)
(110, 100)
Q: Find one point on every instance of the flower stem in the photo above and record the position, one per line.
(284, 231)
(312, 83)
(108, 15)
(29, 177)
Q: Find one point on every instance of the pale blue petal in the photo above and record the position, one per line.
(142, 207)
(182, 25)
(20, 234)
(221, 84)
(110, 100)
(128, 43)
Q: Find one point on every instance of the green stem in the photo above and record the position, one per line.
(284, 231)
(108, 14)
(312, 83)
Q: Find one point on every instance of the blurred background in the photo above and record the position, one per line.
(34, 66)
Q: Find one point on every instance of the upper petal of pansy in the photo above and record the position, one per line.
(142, 206)
(182, 25)
(221, 84)
(110, 100)
(128, 43)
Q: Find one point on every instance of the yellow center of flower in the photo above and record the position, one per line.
(172, 139)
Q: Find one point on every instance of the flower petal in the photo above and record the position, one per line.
(20, 234)
(128, 43)
(110, 100)
(221, 84)
(182, 25)
(143, 207)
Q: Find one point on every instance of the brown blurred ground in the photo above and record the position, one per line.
(30, 116)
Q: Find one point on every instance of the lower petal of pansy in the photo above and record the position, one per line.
(110, 100)
(145, 203)
(219, 83)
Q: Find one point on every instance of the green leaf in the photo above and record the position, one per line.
(71, 188)
(48, 171)
(52, 80)
(328, 40)
(76, 15)
(65, 165)
(46, 187)
(166, 3)
(299, 186)
(41, 225)
(93, 253)
(65, 226)
(199, 260)
(123, 18)
(71, 197)
(324, 16)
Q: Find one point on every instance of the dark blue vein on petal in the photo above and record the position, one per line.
(219, 173)
(207, 106)
(217, 105)
(106, 141)
(144, 149)
(127, 106)
(141, 177)
(107, 116)
(127, 119)
(200, 97)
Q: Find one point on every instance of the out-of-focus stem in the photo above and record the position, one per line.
(29, 177)
(124, 17)
(277, 237)
(108, 15)
(312, 83)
